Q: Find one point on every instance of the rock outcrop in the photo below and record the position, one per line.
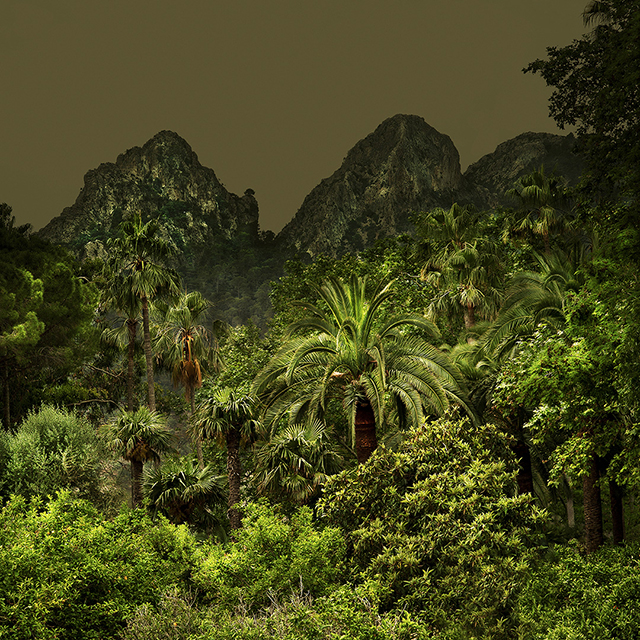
(487, 180)
(405, 165)
(161, 179)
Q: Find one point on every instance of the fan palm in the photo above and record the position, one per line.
(352, 353)
(138, 436)
(227, 415)
(462, 264)
(139, 256)
(183, 492)
(533, 298)
(542, 206)
(296, 461)
(127, 305)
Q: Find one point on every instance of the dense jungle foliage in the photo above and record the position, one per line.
(437, 438)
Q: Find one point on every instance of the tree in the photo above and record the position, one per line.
(140, 254)
(462, 264)
(436, 524)
(183, 492)
(595, 83)
(543, 206)
(296, 461)
(20, 328)
(371, 364)
(228, 415)
(46, 316)
(138, 436)
(118, 295)
(184, 345)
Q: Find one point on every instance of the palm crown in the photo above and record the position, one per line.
(351, 352)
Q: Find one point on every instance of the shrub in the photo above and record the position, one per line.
(66, 572)
(53, 449)
(439, 526)
(272, 557)
(579, 597)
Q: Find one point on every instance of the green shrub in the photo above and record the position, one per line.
(66, 572)
(271, 557)
(575, 597)
(53, 449)
(439, 526)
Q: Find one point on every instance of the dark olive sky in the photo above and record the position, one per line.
(271, 94)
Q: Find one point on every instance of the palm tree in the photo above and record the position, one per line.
(462, 264)
(350, 352)
(184, 345)
(119, 296)
(183, 492)
(543, 206)
(296, 461)
(533, 297)
(138, 436)
(228, 416)
(139, 256)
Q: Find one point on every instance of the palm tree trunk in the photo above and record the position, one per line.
(365, 431)
(469, 313)
(136, 483)
(525, 473)
(6, 417)
(148, 354)
(131, 326)
(592, 507)
(198, 438)
(617, 512)
(234, 472)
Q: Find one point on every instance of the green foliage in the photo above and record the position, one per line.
(67, 573)
(53, 449)
(578, 597)
(272, 557)
(437, 525)
(595, 81)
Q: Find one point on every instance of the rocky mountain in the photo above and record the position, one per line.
(403, 166)
(406, 166)
(491, 176)
(216, 232)
(163, 177)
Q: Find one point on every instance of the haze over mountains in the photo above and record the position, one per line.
(402, 167)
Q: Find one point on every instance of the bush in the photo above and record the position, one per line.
(439, 526)
(53, 449)
(66, 572)
(575, 597)
(272, 557)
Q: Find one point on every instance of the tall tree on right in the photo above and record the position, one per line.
(595, 81)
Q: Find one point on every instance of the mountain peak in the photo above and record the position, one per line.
(405, 165)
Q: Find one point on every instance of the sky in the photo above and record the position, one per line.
(271, 94)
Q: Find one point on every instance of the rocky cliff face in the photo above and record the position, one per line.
(406, 166)
(403, 166)
(489, 178)
(163, 179)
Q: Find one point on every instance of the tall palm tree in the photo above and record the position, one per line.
(228, 416)
(119, 297)
(139, 255)
(461, 263)
(184, 345)
(372, 365)
(138, 436)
